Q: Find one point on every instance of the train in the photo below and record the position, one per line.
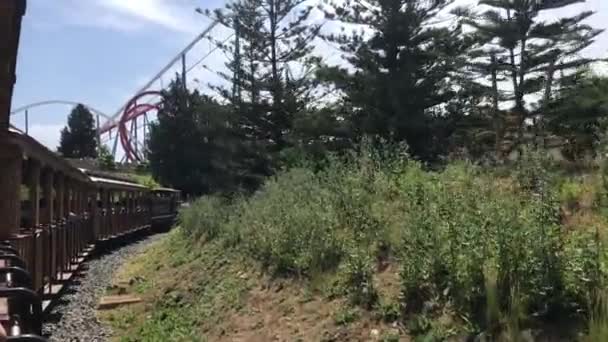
(53, 214)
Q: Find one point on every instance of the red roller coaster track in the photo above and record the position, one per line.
(132, 111)
(136, 107)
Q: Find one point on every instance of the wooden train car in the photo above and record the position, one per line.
(58, 214)
(51, 213)
(164, 205)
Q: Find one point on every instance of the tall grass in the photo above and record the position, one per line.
(598, 319)
(449, 231)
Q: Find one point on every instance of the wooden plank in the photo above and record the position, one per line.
(33, 184)
(11, 159)
(109, 302)
(49, 198)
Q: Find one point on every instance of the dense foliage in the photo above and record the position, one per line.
(526, 57)
(78, 138)
(463, 238)
(195, 147)
(399, 70)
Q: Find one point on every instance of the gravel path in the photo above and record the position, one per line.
(73, 318)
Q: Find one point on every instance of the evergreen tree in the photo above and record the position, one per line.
(578, 114)
(193, 147)
(78, 138)
(270, 70)
(529, 52)
(316, 133)
(401, 69)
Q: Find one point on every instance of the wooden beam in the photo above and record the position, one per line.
(33, 183)
(109, 302)
(11, 12)
(95, 214)
(76, 198)
(60, 192)
(11, 159)
(49, 196)
(80, 199)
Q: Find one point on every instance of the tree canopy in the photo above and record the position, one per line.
(197, 145)
(78, 138)
(482, 84)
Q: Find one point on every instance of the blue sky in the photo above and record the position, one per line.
(100, 52)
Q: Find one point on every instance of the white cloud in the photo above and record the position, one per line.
(133, 15)
(173, 15)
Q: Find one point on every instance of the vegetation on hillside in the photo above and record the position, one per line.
(476, 252)
(492, 250)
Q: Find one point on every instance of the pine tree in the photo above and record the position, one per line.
(270, 68)
(401, 66)
(529, 52)
(78, 138)
(194, 146)
(578, 112)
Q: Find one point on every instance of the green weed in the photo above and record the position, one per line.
(346, 316)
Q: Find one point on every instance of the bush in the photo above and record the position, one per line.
(290, 224)
(206, 218)
(570, 192)
(358, 276)
(459, 224)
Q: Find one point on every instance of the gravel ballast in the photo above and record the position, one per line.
(73, 318)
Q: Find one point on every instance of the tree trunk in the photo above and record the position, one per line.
(496, 116)
(275, 87)
(540, 127)
(519, 95)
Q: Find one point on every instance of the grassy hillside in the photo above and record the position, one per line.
(385, 250)
(213, 294)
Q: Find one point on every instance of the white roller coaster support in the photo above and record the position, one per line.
(113, 120)
(169, 65)
(65, 102)
(177, 58)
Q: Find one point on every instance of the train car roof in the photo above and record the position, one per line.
(160, 189)
(116, 184)
(33, 149)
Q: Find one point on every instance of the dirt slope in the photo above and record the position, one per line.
(214, 295)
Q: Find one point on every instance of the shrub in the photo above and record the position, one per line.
(458, 224)
(291, 225)
(598, 320)
(206, 217)
(570, 192)
(358, 272)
